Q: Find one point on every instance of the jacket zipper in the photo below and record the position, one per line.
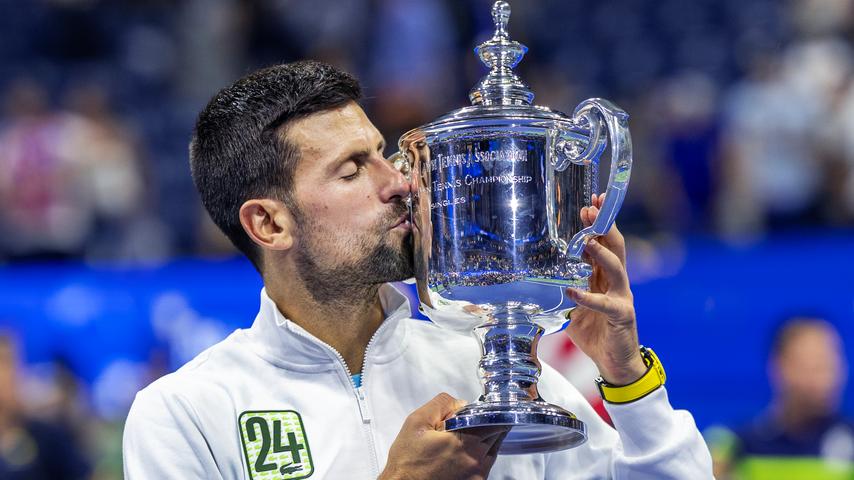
(359, 391)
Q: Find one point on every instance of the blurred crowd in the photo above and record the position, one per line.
(802, 433)
(742, 120)
(740, 108)
(44, 439)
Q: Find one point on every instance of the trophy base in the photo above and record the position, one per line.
(537, 426)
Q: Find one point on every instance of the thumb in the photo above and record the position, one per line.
(434, 413)
(458, 404)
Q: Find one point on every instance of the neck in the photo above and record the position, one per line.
(346, 324)
(8, 419)
(794, 417)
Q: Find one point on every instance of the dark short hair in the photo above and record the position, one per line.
(240, 150)
(791, 328)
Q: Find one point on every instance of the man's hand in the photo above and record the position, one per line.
(603, 325)
(422, 450)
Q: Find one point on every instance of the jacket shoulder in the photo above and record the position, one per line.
(427, 332)
(202, 376)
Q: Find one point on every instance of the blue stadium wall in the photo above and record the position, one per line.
(706, 307)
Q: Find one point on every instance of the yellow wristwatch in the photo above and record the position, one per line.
(648, 383)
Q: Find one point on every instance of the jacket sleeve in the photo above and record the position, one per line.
(658, 442)
(652, 442)
(162, 440)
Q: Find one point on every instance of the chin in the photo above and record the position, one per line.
(404, 268)
(405, 276)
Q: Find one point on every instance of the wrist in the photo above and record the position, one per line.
(651, 380)
(626, 372)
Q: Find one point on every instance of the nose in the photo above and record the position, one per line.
(394, 185)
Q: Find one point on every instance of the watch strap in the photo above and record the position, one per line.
(648, 383)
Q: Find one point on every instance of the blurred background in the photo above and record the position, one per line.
(740, 211)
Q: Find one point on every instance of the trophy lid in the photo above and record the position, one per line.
(501, 86)
(501, 94)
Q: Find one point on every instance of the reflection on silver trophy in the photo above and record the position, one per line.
(498, 236)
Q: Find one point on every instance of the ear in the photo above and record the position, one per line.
(268, 223)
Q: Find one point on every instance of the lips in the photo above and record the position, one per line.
(401, 222)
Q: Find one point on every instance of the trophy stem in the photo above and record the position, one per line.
(509, 371)
(509, 368)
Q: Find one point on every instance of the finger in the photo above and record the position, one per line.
(492, 454)
(479, 441)
(610, 263)
(496, 443)
(616, 242)
(588, 215)
(458, 404)
(598, 202)
(482, 434)
(595, 204)
(613, 237)
(433, 413)
(596, 301)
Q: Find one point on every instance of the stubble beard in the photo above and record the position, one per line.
(366, 261)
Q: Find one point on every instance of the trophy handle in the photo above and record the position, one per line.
(596, 112)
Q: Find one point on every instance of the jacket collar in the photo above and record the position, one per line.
(285, 344)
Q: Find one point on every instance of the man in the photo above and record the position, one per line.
(333, 380)
(33, 448)
(802, 435)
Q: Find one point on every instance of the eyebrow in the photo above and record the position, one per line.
(356, 156)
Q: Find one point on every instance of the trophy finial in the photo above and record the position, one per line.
(501, 16)
(501, 86)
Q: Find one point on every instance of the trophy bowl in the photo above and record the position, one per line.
(498, 236)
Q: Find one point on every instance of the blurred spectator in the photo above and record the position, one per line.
(687, 136)
(110, 169)
(412, 54)
(71, 181)
(839, 207)
(802, 435)
(210, 22)
(774, 132)
(770, 175)
(32, 449)
(41, 215)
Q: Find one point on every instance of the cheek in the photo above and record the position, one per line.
(346, 219)
(317, 210)
(338, 208)
(322, 194)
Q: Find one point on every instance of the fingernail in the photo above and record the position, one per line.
(592, 242)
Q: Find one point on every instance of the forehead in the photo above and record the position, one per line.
(332, 134)
(811, 340)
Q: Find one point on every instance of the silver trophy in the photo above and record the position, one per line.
(497, 232)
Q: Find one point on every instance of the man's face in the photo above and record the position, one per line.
(810, 370)
(352, 220)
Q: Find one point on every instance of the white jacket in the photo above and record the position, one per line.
(275, 402)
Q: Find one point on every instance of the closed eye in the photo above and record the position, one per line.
(359, 168)
(354, 166)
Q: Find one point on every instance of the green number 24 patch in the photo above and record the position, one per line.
(275, 445)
